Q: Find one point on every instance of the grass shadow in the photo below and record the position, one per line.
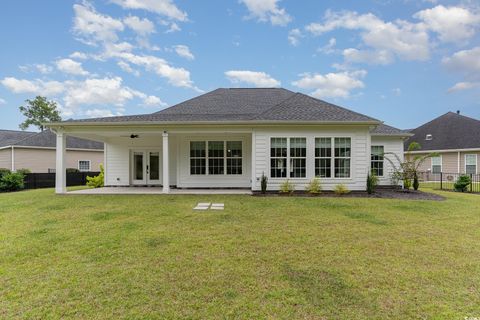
(365, 217)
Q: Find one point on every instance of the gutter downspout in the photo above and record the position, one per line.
(458, 162)
(13, 159)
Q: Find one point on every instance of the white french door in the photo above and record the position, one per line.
(146, 167)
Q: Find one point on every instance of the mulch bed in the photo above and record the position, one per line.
(379, 194)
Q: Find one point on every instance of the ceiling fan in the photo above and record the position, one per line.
(131, 136)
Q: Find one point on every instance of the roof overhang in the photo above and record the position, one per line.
(55, 125)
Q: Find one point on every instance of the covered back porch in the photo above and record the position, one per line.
(170, 160)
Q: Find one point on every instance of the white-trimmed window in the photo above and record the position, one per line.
(84, 165)
(278, 157)
(216, 157)
(198, 157)
(343, 150)
(436, 164)
(323, 157)
(470, 163)
(376, 162)
(298, 157)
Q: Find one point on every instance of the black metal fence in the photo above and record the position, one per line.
(446, 181)
(47, 180)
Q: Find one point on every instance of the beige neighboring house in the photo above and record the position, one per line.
(455, 138)
(36, 151)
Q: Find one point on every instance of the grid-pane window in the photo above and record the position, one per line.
(84, 165)
(323, 157)
(298, 157)
(197, 157)
(376, 163)
(216, 157)
(234, 157)
(342, 157)
(278, 157)
(470, 163)
(436, 164)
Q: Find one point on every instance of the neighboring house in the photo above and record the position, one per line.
(229, 138)
(36, 152)
(455, 138)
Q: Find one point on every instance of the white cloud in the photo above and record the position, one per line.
(43, 68)
(403, 39)
(143, 27)
(352, 55)
(397, 91)
(99, 113)
(184, 52)
(78, 55)
(267, 10)
(465, 61)
(71, 67)
(153, 101)
(453, 24)
(294, 37)
(162, 7)
(93, 27)
(332, 85)
(178, 77)
(329, 48)
(47, 88)
(461, 86)
(257, 79)
(75, 94)
(128, 68)
(2, 101)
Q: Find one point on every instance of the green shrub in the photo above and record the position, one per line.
(263, 183)
(4, 171)
(12, 182)
(314, 187)
(407, 184)
(341, 189)
(462, 183)
(372, 181)
(97, 181)
(23, 171)
(287, 187)
(72, 170)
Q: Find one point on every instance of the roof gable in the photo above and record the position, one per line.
(449, 131)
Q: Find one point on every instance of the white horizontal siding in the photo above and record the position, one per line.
(186, 180)
(359, 159)
(391, 145)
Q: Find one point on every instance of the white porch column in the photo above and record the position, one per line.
(60, 174)
(166, 173)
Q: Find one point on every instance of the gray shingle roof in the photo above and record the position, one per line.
(449, 131)
(384, 129)
(247, 104)
(45, 139)
(9, 137)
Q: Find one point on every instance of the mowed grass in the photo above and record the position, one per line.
(153, 257)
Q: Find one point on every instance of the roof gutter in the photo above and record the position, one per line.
(54, 125)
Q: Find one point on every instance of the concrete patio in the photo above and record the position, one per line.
(157, 190)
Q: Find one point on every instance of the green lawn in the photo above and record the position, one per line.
(153, 257)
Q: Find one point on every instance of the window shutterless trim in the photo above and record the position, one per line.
(465, 162)
(225, 157)
(89, 165)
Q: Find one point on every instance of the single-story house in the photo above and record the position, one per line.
(36, 151)
(229, 138)
(456, 139)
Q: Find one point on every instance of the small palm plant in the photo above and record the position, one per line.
(407, 170)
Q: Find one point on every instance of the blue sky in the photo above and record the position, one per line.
(403, 62)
